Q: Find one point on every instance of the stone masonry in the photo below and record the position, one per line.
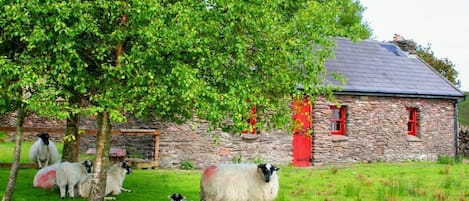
(376, 130)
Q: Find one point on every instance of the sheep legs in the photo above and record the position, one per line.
(40, 164)
(125, 190)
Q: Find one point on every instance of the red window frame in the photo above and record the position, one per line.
(412, 121)
(338, 115)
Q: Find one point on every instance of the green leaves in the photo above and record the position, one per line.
(178, 59)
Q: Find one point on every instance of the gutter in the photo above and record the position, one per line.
(456, 126)
(402, 95)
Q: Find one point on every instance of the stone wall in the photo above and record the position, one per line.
(376, 130)
(190, 142)
(194, 142)
(464, 140)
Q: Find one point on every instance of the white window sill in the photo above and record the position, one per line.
(411, 138)
(339, 138)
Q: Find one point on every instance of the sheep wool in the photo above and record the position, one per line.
(71, 175)
(114, 180)
(45, 177)
(239, 182)
(43, 151)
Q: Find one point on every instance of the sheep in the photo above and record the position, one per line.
(43, 151)
(239, 182)
(114, 179)
(177, 197)
(45, 177)
(72, 175)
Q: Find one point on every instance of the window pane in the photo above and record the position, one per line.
(334, 126)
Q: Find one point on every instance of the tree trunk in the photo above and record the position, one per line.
(103, 144)
(71, 145)
(16, 158)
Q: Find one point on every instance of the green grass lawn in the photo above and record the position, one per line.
(6, 151)
(411, 181)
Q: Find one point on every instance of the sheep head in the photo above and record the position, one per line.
(266, 171)
(44, 137)
(88, 165)
(177, 197)
(126, 167)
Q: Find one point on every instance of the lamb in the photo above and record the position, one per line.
(239, 182)
(72, 175)
(114, 180)
(45, 177)
(43, 151)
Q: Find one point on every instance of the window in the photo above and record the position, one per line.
(412, 121)
(338, 120)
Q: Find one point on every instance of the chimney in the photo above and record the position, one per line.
(408, 46)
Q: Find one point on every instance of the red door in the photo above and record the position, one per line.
(302, 140)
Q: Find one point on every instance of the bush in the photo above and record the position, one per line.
(187, 165)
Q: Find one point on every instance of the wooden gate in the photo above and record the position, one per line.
(302, 139)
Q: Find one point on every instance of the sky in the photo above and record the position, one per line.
(442, 24)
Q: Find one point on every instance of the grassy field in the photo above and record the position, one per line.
(6, 150)
(410, 181)
(444, 180)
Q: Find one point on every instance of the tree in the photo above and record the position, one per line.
(442, 65)
(19, 85)
(176, 59)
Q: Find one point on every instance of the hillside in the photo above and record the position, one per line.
(463, 109)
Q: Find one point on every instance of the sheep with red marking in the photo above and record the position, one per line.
(239, 182)
(44, 151)
(45, 177)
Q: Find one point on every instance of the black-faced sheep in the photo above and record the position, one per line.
(239, 182)
(43, 151)
(71, 175)
(177, 197)
(45, 177)
(114, 180)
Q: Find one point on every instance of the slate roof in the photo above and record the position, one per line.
(372, 67)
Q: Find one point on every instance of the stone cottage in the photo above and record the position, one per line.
(393, 107)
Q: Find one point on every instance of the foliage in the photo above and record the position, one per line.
(237, 159)
(448, 160)
(463, 111)
(366, 182)
(442, 65)
(177, 58)
(180, 56)
(187, 165)
(168, 59)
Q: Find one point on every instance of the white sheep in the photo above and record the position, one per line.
(71, 175)
(239, 182)
(43, 151)
(114, 179)
(45, 177)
